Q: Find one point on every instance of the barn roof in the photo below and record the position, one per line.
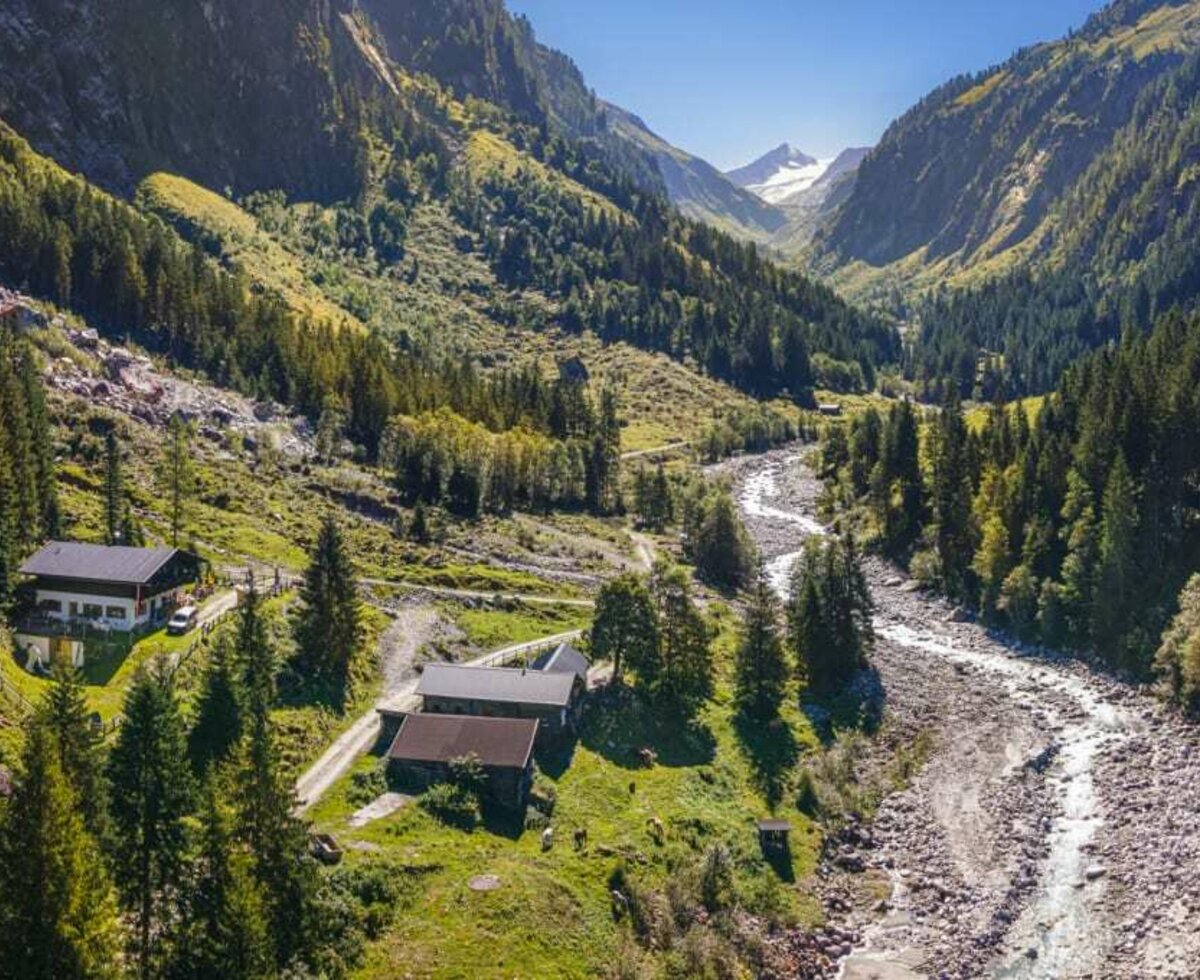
(98, 563)
(564, 659)
(499, 742)
(497, 684)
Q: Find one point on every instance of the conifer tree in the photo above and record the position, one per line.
(625, 627)
(267, 825)
(225, 932)
(722, 549)
(761, 665)
(684, 672)
(218, 724)
(58, 914)
(1117, 572)
(951, 497)
(178, 475)
(327, 629)
(829, 614)
(80, 752)
(151, 799)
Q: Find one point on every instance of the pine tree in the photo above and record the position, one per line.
(328, 630)
(625, 627)
(151, 799)
(829, 614)
(722, 549)
(225, 932)
(58, 914)
(254, 657)
(218, 724)
(65, 713)
(114, 509)
(1117, 574)
(684, 676)
(275, 837)
(178, 475)
(761, 666)
(951, 498)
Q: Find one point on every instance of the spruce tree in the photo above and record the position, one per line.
(178, 476)
(267, 825)
(761, 665)
(218, 723)
(1117, 574)
(151, 799)
(226, 932)
(328, 629)
(722, 549)
(58, 914)
(80, 750)
(685, 664)
(625, 627)
(951, 498)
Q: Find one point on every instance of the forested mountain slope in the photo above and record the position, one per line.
(1058, 189)
(570, 239)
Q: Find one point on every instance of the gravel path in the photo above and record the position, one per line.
(1054, 831)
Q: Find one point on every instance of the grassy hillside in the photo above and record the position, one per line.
(973, 181)
(552, 913)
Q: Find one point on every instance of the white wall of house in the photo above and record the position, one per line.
(105, 611)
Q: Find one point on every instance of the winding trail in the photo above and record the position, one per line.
(1054, 831)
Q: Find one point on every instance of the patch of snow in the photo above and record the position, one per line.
(791, 179)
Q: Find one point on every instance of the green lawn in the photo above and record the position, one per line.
(491, 629)
(551, 916)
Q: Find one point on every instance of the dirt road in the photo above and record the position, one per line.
(1054, 831)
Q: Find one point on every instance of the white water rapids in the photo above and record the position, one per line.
(1058, 933)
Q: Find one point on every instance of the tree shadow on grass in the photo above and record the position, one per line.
(771, 747)
(633, 733)
(554, 755)
(858, 706)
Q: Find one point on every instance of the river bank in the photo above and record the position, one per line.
(1054, 831)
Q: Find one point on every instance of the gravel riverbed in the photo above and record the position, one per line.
(1054, 831)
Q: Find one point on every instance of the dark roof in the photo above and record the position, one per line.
(564, 659)
(498, 684)
(97, 563)
(501, 742)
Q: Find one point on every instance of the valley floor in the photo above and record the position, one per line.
(1055, 830)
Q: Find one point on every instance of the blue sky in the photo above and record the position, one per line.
(730, 79)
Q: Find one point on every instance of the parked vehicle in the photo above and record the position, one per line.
(184, 621)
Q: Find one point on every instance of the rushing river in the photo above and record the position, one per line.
(1058, 933)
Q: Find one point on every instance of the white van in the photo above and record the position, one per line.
(184, 621)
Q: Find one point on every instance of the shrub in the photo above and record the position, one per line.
(451, 805)
(368, 786)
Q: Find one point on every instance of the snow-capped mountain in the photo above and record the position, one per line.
(785, 173)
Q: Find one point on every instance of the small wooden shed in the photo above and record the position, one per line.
(774, 836)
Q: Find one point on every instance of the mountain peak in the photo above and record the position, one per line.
(771, 162)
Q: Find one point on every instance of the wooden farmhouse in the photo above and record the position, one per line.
(427, 745)
(551, 697)
(86, 589)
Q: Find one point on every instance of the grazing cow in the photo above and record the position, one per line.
(657, 830)
(581, 838)
(547, 838)
(620, 905)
